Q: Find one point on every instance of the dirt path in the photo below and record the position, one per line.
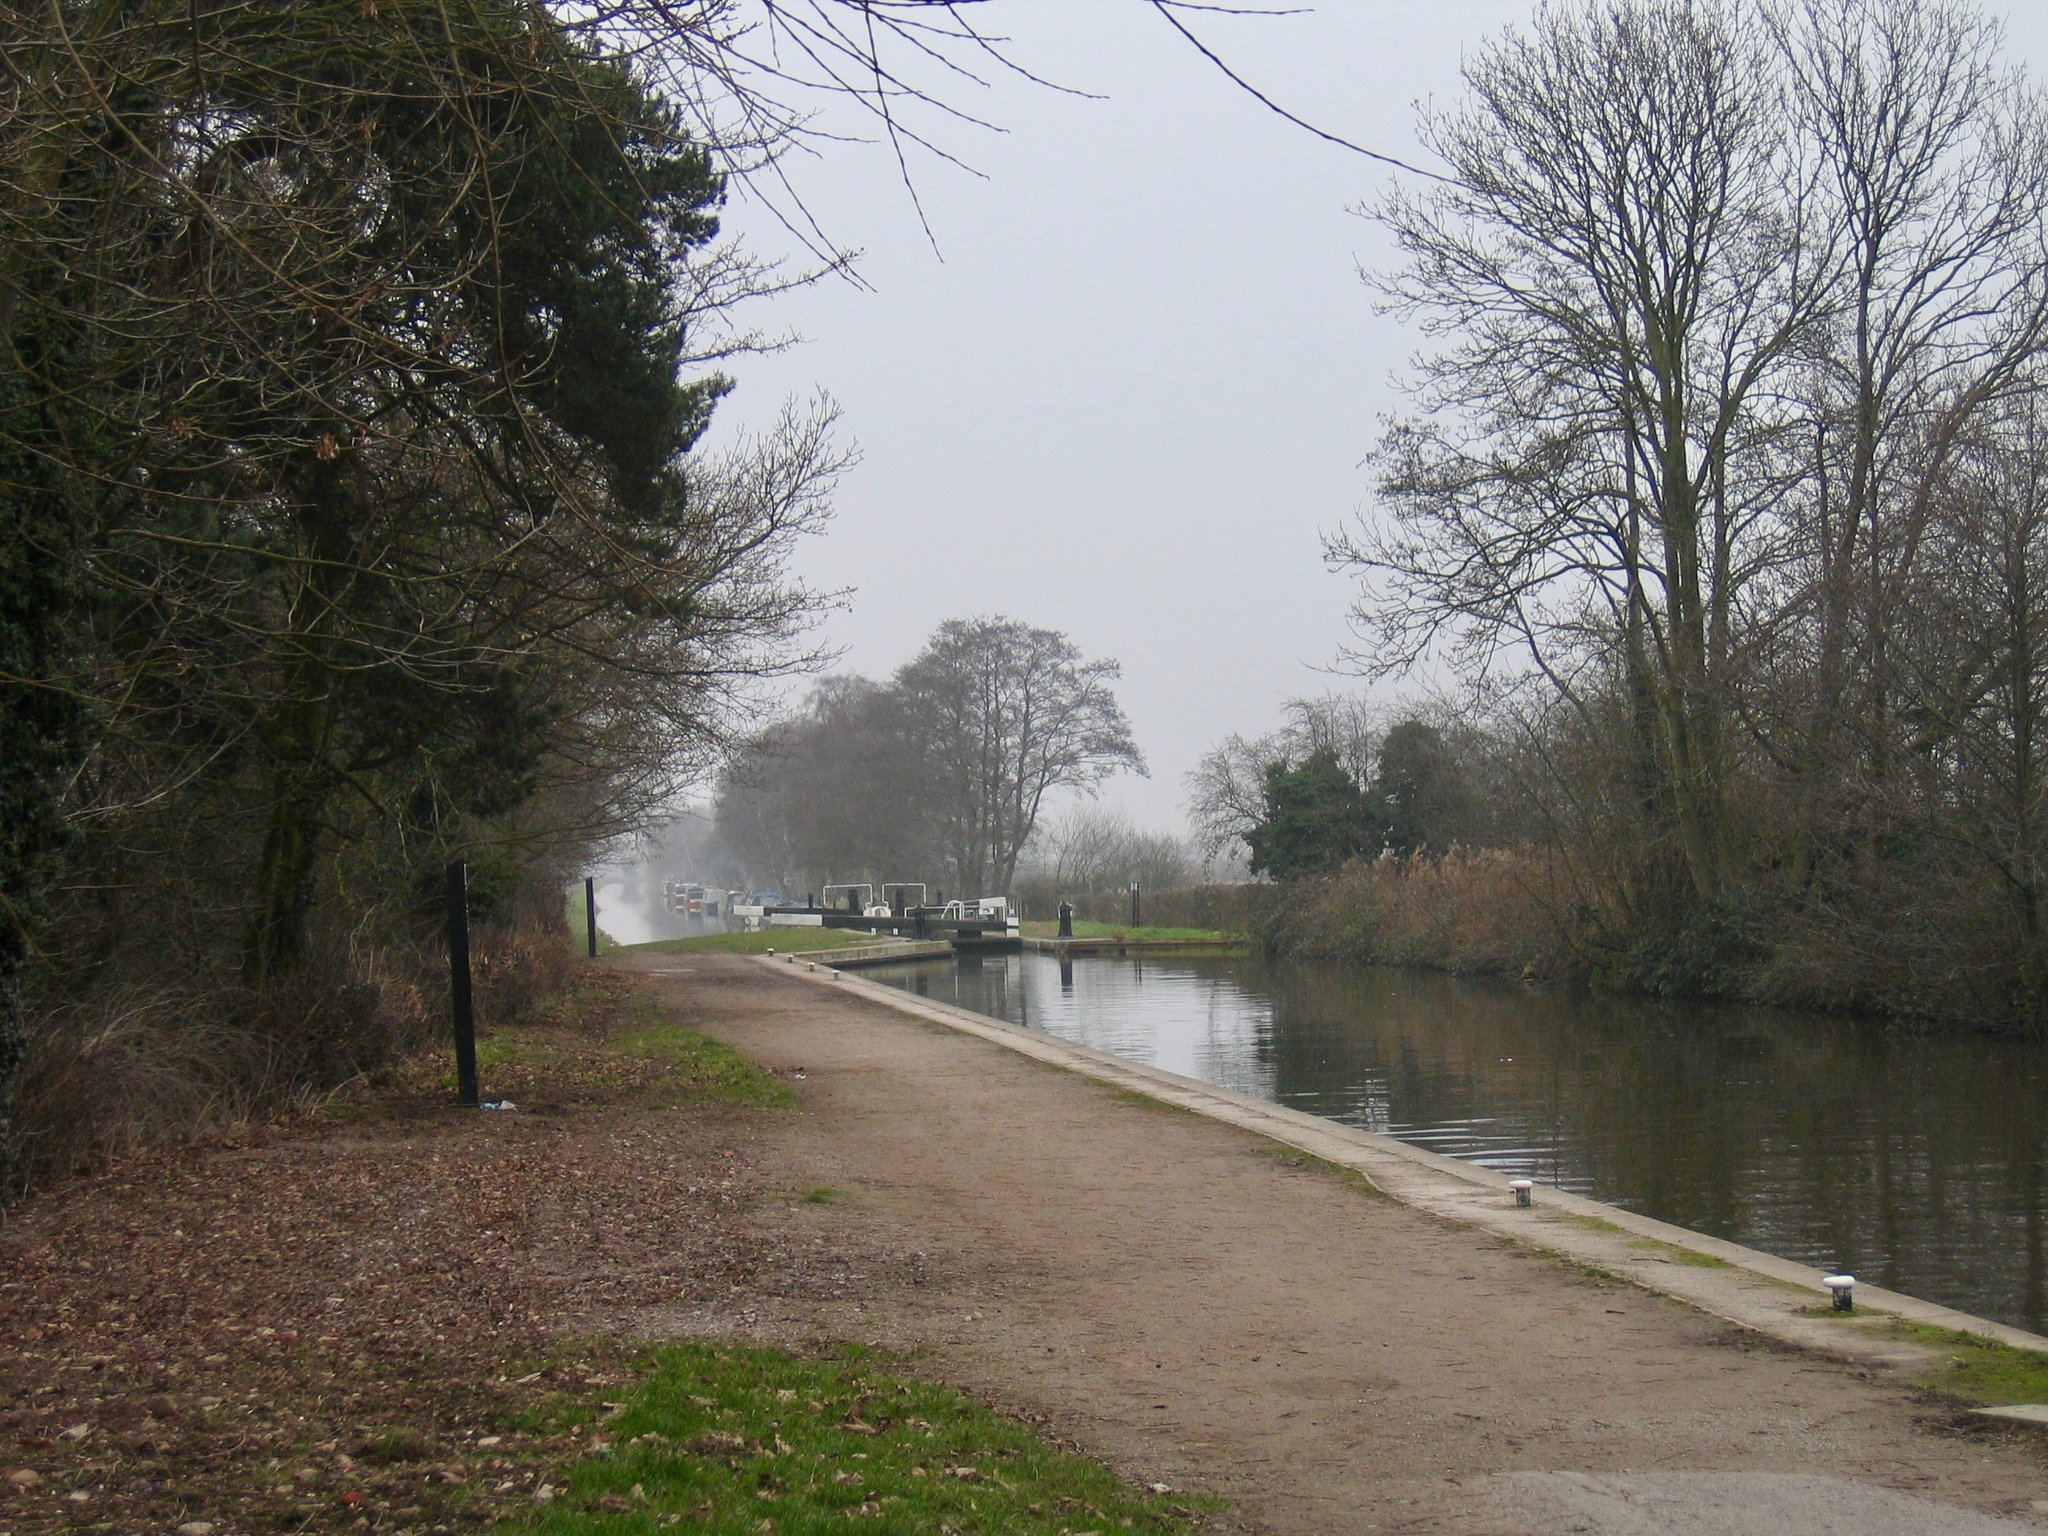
(1175, 1294)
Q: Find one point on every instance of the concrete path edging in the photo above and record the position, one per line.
(1743, 1286)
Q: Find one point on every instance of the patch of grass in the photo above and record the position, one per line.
(1294, 1157)
(1596, 1274)
(733, 1440)
(1678, 1255)
(701, 1067)
(1981, 1372)
(501, 1047)
(1129, 935)
(820, 1196)
(1588, 1223)
(784, 941)
(1146, 1101)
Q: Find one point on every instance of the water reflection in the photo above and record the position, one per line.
(1915, 1161)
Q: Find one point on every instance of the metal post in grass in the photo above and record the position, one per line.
(590, 911)
(1137, 904)
(460, 1003)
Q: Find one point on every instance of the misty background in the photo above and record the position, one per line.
(1126, 383)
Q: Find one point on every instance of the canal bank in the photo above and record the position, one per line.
(1791, 1302)
(1216, 1311)
(1918, 1163)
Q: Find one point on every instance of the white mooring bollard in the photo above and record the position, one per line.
(1843, 1288)
(1525, 1192)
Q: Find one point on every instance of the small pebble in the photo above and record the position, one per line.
(196, 1528)
(24, 1478)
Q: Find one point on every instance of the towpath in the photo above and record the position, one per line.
(1179, 1295)
(226, 1333)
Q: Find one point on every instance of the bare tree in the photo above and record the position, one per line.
(833, 794)
(1933, 166)
(1972, 639)
(1624, 268)
(1226, 789)
(1090, 849)
(1006, 714)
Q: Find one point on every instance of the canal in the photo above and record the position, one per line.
(1913, 1160)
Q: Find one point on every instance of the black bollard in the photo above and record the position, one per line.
(590, 911)
(1066, 920)
(459, 1000)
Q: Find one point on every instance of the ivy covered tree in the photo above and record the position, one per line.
(1317, 818)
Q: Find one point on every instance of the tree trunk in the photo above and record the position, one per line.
(301, 782)
(298, 794)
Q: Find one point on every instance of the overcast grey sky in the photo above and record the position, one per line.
(1136, 382)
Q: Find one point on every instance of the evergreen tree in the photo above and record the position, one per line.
(1317, 818)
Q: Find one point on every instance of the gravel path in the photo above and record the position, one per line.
(1172, 1292)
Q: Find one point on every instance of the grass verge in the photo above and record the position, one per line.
(783, 941)
(1588, 1223)
(610, 1042)
(1294, 1157)
(1981, 1372)
(732, 1439)
(699, 1068)
(1677, 1255)
(1131, 935)
(1146, 1101)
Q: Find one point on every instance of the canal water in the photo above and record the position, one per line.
(1915, 1161)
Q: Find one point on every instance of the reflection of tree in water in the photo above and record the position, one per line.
(1915, 1160)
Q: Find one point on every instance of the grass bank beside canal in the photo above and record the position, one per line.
(1123, 933)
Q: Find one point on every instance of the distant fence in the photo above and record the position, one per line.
(1226, 908)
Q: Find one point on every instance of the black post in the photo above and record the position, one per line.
(1066, 920)
(458, 985)
(1137, 904)
(590, 911)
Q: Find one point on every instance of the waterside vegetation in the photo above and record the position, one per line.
(1719, 503)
